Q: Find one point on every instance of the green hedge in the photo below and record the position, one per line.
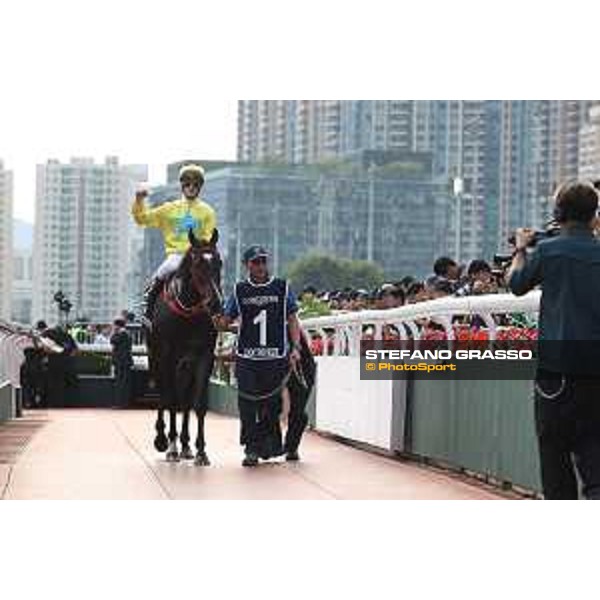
(91, 363)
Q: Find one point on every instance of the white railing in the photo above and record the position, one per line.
(91, 339)
(348, 327)
(106, 348)
(13, 341)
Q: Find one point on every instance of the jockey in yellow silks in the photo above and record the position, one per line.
(175, 219)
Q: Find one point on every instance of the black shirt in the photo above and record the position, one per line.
(121, 343)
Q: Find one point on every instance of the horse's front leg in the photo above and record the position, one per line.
(161, 443)
(186, 451)
(201, 405)
(172, 452)
(202, 459)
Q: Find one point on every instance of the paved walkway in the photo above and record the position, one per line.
(103, 454)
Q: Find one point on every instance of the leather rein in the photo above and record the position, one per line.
(172, 299)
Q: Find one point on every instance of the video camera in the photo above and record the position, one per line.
(502, 261)
(552, 230)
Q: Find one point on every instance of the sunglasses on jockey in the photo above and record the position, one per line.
(187, 181)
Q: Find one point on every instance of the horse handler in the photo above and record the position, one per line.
(266, 309)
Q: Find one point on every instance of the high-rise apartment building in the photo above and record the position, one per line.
(309, 131)
(247, 130)
(515, 167)
(133, 175)
(589, 146)
(554, 129)
(376, 125)
(22, 276)
(81, 237)
(455, 133)
(289, 131)
(6, 251)
(509, 155)
(22, 286)
(539, 148)
(264, 130)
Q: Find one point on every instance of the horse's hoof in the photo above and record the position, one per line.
(202, 460)
(250, 460)
(186, 453)
(173, 457)
(161, 443)
(172, 453)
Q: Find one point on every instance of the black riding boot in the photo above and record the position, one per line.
(151, 294)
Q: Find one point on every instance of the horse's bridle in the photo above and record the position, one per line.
(171, 297)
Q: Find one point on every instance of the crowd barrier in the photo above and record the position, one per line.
(7, 402)
(13, 341)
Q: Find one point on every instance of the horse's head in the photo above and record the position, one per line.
(203, 263)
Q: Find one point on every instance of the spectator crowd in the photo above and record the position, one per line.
(47, 374)
(448, 279)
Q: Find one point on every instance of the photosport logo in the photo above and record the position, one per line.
(381, 360)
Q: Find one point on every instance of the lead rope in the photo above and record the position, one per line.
(257, 398)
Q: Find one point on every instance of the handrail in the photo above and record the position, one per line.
(468, 305)
(107, 348)
(13, 340)
(348, 326)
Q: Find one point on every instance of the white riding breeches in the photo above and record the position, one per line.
(169, 265)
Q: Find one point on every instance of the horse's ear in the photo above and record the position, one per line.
(214, 238)
(193, 239)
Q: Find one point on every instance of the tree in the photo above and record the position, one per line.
(329, 273)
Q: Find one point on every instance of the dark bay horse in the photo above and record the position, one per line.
(181, 347)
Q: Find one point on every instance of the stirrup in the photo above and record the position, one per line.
(146, 322)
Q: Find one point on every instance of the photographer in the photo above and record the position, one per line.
(446, 275)
(480, 280)
(567, 386)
